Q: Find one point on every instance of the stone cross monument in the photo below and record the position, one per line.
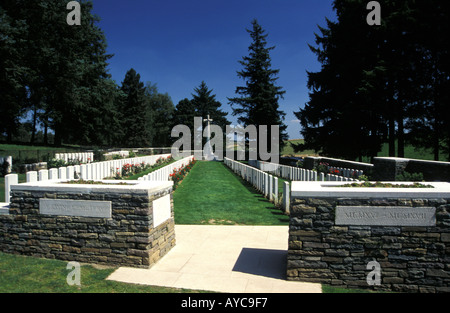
(207, 150)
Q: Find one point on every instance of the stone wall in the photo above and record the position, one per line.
(312, 162)
(387, 169)
(412, 258)
(127, 238)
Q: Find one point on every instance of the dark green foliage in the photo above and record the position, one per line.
(133, 112)
(202, 104)
(406, 176)
(54, 76)
(206, 104)
(160, 112)
(184, 114)
(386, 83)
(257, 101)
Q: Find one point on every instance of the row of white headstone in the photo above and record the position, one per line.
(163, 174)
(346, 172)
(300, 174)
(287, 172)
(90, 171)
(83, 157)
(265, 183)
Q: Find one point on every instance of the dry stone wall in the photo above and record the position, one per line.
(411, 258)
(128, 237)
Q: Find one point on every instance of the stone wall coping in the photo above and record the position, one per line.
(341, 160)
(408, 160)
(328, 190)
(132, 187)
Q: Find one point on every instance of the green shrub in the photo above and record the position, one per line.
(54, 163)
(363, 178)
(405, 176)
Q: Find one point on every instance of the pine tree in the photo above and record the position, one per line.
(205, 103)
(56, 72)
(257, 103)
(134, 112)
(13, 102)
(391, 86)
(184, 114)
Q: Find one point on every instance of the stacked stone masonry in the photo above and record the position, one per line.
(126, 239)
(412, 258)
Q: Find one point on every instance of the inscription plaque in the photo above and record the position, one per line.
(83, 208)
(161, 210)
(385, 216)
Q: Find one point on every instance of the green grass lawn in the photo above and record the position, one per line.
(22, 274)
(212, 194)
(412, 153)
(29, 154)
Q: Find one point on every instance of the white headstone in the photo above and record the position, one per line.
(62, 172)
(32, 176)
(11, 179)
(43, 175)
(286, 196)
(53, 174)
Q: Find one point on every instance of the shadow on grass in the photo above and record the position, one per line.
(281, 216)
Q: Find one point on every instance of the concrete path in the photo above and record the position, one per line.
(237, 259)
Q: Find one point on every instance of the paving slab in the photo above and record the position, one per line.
(235, 259)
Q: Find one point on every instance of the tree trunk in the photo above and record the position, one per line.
(46, 131)
(401, 137)
(436, 139)
(391, 137)
(33, 130)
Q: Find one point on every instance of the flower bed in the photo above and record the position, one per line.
(129, 169)
(180, 173)
(387, 185)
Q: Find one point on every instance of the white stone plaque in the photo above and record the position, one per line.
(84, 208)
(161, 210)
(385, 216)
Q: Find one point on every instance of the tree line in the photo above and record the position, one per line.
(54, 82)
(380, 84)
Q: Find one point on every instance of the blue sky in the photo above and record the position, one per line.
(177, 44)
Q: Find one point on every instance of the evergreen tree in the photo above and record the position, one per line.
(134, 112)
(390, 86)
(343, 103)
(56, 72)
(205, 103)
(12, 68)
(161, 110)
(257, 103)
(184, 114)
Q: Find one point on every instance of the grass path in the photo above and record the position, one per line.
(213, 194)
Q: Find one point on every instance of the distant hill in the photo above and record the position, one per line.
(288, 150)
